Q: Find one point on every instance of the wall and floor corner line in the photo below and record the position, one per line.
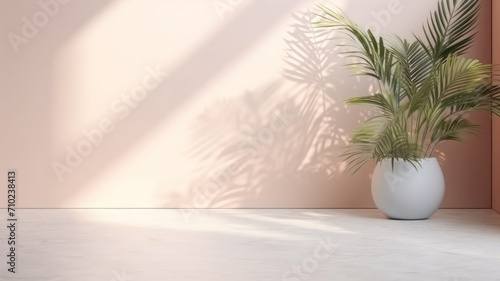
(495, 126)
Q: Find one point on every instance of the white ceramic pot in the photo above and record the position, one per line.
(405, 192)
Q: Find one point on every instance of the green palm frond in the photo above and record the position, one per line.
(449, 29)
(425, 86)
(364, 140)
(370, 53)
(414, 65)
(385, 103)
(452, 129)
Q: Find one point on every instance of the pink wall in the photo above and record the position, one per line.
(166, 100)
(467, 166)
(496, 120)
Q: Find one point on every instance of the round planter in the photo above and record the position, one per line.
(405, 192)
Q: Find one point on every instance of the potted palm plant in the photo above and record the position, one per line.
(425, 87)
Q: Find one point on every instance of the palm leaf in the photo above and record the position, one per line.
(449, 29)
(369, 52)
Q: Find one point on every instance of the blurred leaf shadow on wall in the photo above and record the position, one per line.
(283, 138)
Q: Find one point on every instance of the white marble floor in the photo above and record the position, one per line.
(258, 244)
